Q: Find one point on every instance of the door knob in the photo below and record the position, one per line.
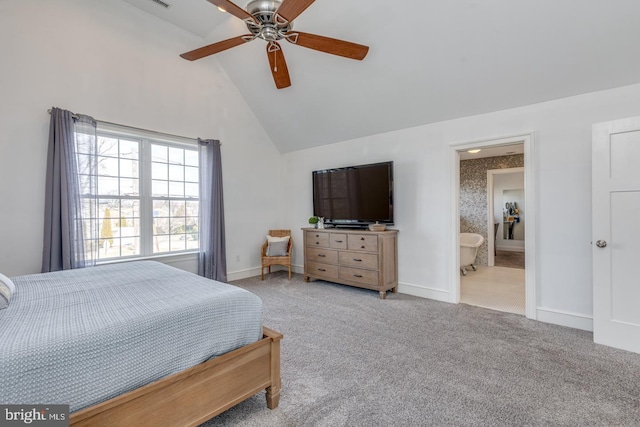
(601, 243)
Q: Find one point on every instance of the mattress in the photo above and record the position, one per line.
(83, 336)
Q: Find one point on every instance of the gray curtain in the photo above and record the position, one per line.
(212, 261)
(64, 236)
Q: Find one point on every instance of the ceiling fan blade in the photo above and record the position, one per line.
(278, 65)
(233, 9)
(217, 47)
(290, 10)
(328, 45)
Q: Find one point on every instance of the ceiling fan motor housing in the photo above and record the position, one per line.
(263, 11)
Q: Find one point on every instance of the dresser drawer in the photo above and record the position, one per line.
(317, 239)
(362, 242)
(359, 260)
(324, 270)
(338, 241)
(322, 255)
(369, 277)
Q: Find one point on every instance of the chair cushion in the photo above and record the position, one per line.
(277, 246)
(6, 289)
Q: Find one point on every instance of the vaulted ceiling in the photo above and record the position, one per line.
(428, 60)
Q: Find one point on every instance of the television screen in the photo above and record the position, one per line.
(354, 195)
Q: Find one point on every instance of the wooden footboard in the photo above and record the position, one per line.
(191, 397)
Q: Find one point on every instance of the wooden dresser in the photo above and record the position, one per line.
(362, 258)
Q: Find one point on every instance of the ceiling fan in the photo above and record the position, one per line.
(272, 20)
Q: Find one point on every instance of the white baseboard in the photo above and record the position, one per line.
(243, 274)
(547, 315)
(255, 271)
(565, 318)
(423, 292)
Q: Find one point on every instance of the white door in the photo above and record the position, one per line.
(616, 233)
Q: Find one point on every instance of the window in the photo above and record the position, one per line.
(174, 191)
(145, 196)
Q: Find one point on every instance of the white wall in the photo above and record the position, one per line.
(501, 182)
(562, 159)
(119, 64)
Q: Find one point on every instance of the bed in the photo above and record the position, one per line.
(135, 343)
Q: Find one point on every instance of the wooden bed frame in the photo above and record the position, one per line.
(193, 396)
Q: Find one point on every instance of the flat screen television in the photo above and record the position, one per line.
(354, 196)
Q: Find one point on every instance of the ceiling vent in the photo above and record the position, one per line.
(161, 3)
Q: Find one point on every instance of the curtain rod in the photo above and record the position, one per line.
(75, 116)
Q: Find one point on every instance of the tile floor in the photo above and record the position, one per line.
(496, 288)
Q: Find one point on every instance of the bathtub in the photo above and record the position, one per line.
(469, 244)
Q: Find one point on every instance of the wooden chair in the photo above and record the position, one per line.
(285, 261)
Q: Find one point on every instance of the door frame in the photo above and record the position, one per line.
(491, 173)
(531, 286)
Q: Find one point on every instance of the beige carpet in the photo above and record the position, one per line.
(496, 288)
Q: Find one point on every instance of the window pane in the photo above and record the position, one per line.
(129, 168)
(176, 156)
(159, 171)
(109, 244)
(107, 166)
(85, 184)
(176, 173)
(192, 208)
(129, 149)
(130, 246)
(191, 174)
(85, 143)
(178, 208)
(191, 157)
(192, 241)
(176, 189)
(159, 188)
(130, 208)
(191, 224)
(160, 225)
(85, 163)
(107, 186)
(159, 153)
(177, 226)
(160, 208)
(161, 244)
(107, 146)
(178, 243)
(191, 190)
(129, 187)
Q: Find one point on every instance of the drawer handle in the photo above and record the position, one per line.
(362, 247)
(338, 241)
(357, 259)
(357, 275)
(362, 238)
(321, 269)
(321, 255)
(317, 243)
(317, 235)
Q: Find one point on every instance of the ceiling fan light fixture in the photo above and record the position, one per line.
(222, 9)
(477, 150)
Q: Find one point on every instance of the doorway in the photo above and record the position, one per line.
(495, 279)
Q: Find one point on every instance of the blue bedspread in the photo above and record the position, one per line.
(80, 337)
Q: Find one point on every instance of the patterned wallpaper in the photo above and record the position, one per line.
(473, 195)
